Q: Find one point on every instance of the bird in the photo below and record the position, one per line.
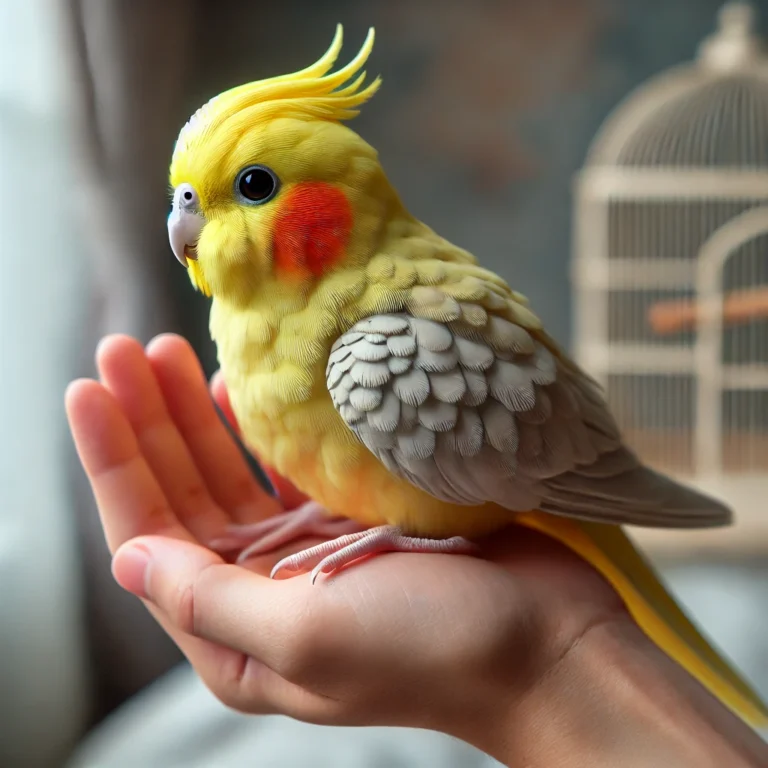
(409, 392)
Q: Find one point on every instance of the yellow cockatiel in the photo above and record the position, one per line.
(388, 375)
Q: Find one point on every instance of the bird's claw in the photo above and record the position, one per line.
(310, 519)
(332, 555)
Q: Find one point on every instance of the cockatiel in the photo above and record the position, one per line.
(410, 392)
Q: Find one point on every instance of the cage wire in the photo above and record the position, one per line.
(670, 265)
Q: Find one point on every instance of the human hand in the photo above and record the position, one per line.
(488, 648)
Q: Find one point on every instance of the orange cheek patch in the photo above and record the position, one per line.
(311, 228)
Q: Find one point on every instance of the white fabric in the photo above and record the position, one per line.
(178, 723)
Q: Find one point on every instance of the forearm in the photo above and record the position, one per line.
(616, 700)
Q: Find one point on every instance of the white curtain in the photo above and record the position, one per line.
(43, 682)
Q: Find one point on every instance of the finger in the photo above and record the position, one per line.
(218, 458)
(127, 373)
(221, 396)
(129, 498)
(290, 496)
(185, 582)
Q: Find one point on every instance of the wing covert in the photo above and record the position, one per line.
(495, 416)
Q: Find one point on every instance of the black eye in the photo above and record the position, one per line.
(257, 184)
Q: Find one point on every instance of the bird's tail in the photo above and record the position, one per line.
(609, 550)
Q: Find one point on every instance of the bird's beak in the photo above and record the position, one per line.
(185, 224)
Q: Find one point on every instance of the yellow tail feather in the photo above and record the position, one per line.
(608, 549)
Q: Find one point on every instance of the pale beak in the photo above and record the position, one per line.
(185, 223)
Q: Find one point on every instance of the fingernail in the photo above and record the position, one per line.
(129, 567)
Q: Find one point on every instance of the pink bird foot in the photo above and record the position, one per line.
(310, 519)
(335, 554)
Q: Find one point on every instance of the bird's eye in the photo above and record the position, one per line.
(186, 196)
(256, 184)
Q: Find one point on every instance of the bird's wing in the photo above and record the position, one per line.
(494, 416)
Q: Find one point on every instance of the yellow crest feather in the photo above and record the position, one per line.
(311, 93)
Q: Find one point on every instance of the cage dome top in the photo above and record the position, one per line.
(710, 112)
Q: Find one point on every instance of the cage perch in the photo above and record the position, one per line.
(668, 317)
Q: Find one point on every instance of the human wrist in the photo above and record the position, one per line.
(615, 699)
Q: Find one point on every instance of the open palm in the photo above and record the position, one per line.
(386, 641)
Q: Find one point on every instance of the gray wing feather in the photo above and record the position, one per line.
(475, 417)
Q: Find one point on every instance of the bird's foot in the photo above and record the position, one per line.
(310, 519)
(338, 553)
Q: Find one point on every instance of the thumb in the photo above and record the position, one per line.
(201, 595)
(232, 625)
(166, 572)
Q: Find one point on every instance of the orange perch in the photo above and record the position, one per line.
(669, 317)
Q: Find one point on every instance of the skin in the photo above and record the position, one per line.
(523, 651)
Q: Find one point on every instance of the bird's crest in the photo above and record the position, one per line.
(310, 93)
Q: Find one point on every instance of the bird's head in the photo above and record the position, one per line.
(270, 187)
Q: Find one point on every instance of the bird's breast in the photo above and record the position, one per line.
(288, 420)
(310, 445)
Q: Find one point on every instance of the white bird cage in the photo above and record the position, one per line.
(671, 266)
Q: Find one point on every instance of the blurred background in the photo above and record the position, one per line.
(498, 124)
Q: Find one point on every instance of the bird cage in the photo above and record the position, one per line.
(670, 266)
